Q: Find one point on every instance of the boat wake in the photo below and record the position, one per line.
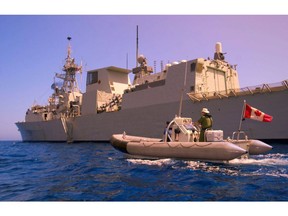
(262, 165)
(266, 160)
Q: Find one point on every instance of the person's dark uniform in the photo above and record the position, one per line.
(206, 122)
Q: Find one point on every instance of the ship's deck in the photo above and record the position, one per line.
(259, 89)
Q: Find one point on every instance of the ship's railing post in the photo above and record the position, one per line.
(265, 86)
(238, 133)
(285, 83)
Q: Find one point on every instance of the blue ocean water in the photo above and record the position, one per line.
(98, 172)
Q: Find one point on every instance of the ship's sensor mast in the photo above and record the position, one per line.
(71, 69)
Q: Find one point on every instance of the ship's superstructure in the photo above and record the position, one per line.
(111, 104)
(66, 100)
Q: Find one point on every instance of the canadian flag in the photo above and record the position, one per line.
(255, 114)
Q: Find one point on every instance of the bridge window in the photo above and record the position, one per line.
(192, 67)
(92, 77)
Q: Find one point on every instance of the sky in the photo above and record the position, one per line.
(33, 47)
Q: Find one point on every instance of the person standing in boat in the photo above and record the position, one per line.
(205, 122)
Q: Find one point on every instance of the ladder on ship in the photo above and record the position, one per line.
(68, 129)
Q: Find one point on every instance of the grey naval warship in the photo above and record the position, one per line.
(112, 104)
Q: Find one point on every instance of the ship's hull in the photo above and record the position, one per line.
(42, 131)
(150, 120)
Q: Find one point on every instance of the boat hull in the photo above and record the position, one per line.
(154, 148)
(48, 131)
(149, 121)
(253, 147)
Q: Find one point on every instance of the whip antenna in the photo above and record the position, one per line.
(136, 45)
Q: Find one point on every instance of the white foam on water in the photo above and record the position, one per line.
(265, 163)
(277, 175)
(264, 172)
(159, 162)
(207, 167)
(262, 162)
(265, 160)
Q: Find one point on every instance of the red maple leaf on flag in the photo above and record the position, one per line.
(257, 112)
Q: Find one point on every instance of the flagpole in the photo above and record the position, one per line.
(241, 119)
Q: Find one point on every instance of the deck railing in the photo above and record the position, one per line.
(258, 89)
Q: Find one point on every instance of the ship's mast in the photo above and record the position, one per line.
(71, 69)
